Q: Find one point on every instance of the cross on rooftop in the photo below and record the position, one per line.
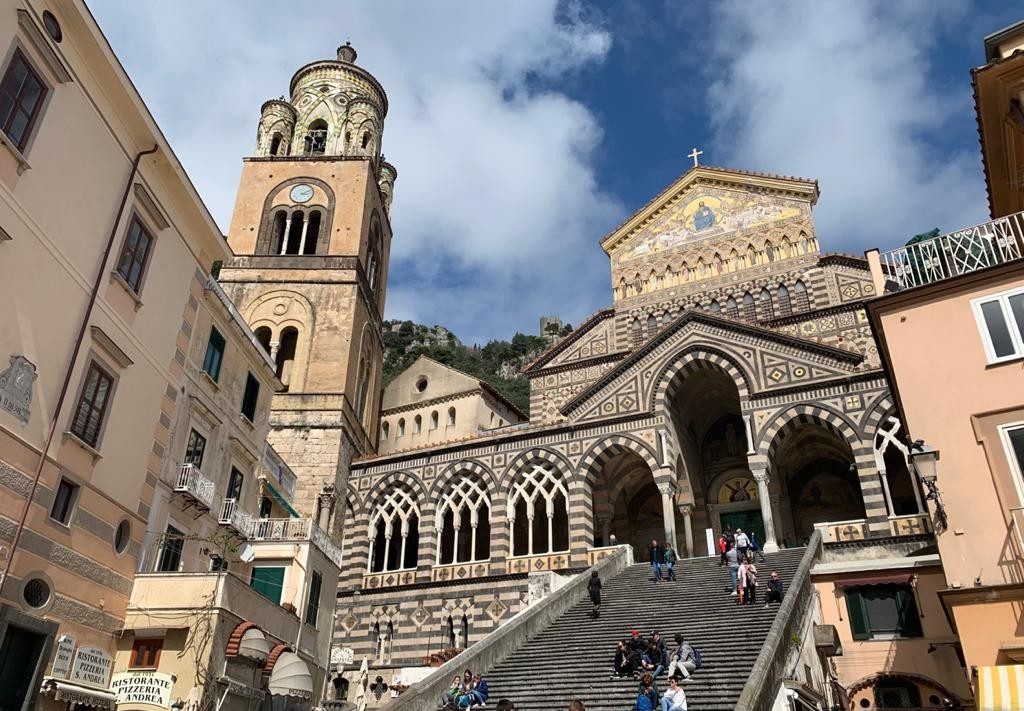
(693, 154)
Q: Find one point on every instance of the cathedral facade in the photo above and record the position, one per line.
(732, 382)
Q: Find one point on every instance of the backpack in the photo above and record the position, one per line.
(696, 658)
(644, 703)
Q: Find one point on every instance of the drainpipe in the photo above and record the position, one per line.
(71, 363)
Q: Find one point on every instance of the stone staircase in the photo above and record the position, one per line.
(572, 658)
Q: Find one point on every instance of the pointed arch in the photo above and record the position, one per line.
(764, 305)
(747, 310)
(782, 295)
(801, 299)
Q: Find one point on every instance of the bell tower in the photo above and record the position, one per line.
(312, 238)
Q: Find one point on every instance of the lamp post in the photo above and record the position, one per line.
(924, 458)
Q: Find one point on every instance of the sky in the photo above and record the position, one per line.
(525, 132)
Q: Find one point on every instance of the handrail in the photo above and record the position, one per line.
(509, 637)
(770, 668)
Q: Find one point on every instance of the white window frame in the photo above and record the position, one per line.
(272, 563)
(1015, 466)
(1016, 336)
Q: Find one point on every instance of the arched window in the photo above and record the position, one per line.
(263, 336)
(464, 522)
(748, 313)
(394, 530)
(785, 249)
(451, 416)
(751, 255)
(433, 420)
(785, 307)
(366, 139)
(417, 424)
(731, 310)
(538, 511)
(365, 375)
(637, 329)
(277, 243)
(769, 251)
(450, 632)
(715, 307)
(315, 142)
(401, 427)
(286, 355)
(800, 298)
(389, 642)
(373, 257)
(734, 260)
(275, 144)
(465, 631)
(384, 429)
(895, 693)
(765, 305)
(312, 233)
(899, 485)
(652, 325)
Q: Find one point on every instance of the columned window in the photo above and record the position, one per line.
(315, 142)
(464, 522)
(539, 512)
(394, 531)
(297, 232)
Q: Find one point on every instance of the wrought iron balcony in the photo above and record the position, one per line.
(231, 514)
(195, 486)
(294, 529)
(961, 252)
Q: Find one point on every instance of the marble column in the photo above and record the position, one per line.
(770, 545)
(668, 512)
(687, 511)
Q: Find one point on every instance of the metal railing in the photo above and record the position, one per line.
(294, 529)
(192, 482)
(231, 514)
(961, 252)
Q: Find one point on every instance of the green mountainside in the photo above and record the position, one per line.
(498, 363)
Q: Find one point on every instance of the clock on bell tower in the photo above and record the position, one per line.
(312, 237)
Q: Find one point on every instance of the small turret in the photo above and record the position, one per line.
(277, 128)
(386, 182)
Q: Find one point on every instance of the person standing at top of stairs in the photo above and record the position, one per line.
(657, 559)
(670, 561)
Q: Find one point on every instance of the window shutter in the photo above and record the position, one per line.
(906, 607)
(858, 615)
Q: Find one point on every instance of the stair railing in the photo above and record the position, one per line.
(484, 655)
(770, 668)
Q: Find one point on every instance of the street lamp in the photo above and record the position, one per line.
(925, 460)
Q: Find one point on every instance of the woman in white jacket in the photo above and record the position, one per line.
(674, 698)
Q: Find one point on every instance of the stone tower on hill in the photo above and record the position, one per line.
(312, 238)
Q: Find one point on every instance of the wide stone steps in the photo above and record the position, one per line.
(573, 657)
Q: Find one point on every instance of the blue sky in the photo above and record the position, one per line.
(524, 132)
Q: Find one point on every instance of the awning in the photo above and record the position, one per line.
(1001, 688)
(875, 580)
(81, 695)
(280, 498)
(291, 677)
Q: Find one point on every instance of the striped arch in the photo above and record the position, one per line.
(535, 454)
(878, 411)
(691, 360)
(791, 419)
(385, 482)
(459, 467)
(603, 450)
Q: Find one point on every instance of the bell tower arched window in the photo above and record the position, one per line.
(275, 144)
(286, 355)
(315, 142)
(394, 530)
(297, 232)
(538, 511)
(263, 336)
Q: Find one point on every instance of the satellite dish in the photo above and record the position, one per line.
(246, 553)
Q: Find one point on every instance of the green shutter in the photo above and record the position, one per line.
(268, 582)
(906, 607)
(313, 602)
(858, 614)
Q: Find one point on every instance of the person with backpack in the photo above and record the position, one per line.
(647, 699)
(670, 562)
(684, 660)
(657, 559)
(755, 547)
(594, 589)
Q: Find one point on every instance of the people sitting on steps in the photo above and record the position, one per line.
(647, 698)
(773, 591)
(654, 658)
(683, 660)
(674, 698)
(466, 692)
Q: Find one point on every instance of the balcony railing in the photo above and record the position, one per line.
(967, 250)
(231, 514)
(194, 485)
(294, 529)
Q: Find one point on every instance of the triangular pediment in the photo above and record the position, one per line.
(764, 361)
(707, 204)
(593, 339)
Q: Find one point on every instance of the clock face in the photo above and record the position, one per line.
(301, 193)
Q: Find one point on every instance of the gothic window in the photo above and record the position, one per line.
(275, 144)
(785, 307)
(401, 427)
(384, 428)
(433, 420)
(719, 265)
(805, 245)
(286, 355)
(538, 511)
(465, 631)
(769, 251)
(373, 258)
(315, 142)
(652, 325)
(637, 332)
(715, 307)
(765, 305)
(731, 310)
(734, 259)
(464, 522)
(263, 336)
(899, 485)
(751, 255)
(394, 530)
(800, 299)
(786, 249)
(365, 376)
(451, 416)
(748, 313)
(390, 641)
(366, 139)
(685, 272)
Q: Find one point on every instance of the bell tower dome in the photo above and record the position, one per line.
(312, 237)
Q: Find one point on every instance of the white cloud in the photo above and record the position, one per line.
(497, 211)
(840, 91)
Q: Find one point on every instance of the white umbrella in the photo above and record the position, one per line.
(361, 686)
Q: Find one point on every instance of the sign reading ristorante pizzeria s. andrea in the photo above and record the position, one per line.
(143, 687)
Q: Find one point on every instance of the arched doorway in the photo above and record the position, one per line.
(814, 467)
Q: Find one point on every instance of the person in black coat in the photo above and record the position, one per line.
(594, 589)
(657, 559)
(773, 592)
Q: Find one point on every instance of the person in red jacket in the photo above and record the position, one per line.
(723, 546)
